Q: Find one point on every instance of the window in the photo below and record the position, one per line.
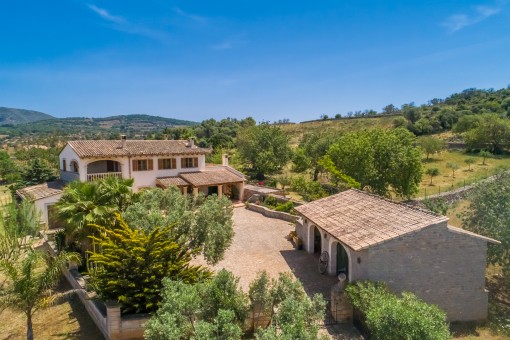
(190, 162)
(142, 165)
(64, 165)
(167, 163)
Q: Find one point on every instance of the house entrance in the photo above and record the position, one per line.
(212, 190)
(317, 241)
(342, 260)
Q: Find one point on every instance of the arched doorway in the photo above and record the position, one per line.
(342, 260)
(317, 241)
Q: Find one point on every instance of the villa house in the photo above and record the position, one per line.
(150, 163)
(368, 237)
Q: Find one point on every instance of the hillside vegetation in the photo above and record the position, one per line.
(10, 116)
(131, 125)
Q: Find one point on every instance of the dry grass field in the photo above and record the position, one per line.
(463, 176)
(67, 320)
(296, 131)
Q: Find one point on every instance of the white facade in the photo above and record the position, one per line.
(43, 204)
(95, 168)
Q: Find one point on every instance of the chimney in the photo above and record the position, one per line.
(191, 142)
(224, 159)
(122, 141)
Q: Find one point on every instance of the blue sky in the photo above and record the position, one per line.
(267, 59)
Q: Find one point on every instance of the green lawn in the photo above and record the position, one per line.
(463, 176)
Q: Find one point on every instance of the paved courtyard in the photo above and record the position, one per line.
(261, 243)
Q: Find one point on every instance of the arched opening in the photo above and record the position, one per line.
(342, 260)
(317, 241)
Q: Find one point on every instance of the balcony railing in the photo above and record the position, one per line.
(103, 175)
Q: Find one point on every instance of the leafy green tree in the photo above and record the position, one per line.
(8, 170)
(213, 309)
(389, 317)
(466, 123)
(380, 159)
(131, 263)
(204, 224)
(431, 145)
(29, 275)
(294, 314)
(469, 162)
(438, 205)
(492, 132)
(488, 214)
(309, 190)
(265, 148)
(432, 172)
(453, 167)
(284, 182)
(36, 173)
(485, 154)
(311, 149)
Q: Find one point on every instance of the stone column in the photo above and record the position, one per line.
(113, 320)
(184, 190)
(341, 307)
(220, 190)
(241, 191)
(195, 192)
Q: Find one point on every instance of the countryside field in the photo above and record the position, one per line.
(463, 176)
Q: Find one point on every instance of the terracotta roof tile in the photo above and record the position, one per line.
(360, 220)
(211, 177)
(113, 148)
(171, 181)
(39, 191)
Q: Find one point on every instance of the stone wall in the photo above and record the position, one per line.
(107, 317)
(273, 214)
(440, 266)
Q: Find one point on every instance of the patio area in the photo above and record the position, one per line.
(261, 243)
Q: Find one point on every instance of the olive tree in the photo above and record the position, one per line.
(265, 148)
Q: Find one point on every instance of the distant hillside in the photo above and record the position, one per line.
(10, 116)
(131, 125)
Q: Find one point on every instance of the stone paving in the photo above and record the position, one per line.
(261, 243)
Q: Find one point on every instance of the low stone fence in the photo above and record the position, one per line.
(272, 213)
(107, 316)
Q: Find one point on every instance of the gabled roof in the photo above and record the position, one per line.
(114, 148)
(39, 191)
(360, 220)
(211, 177)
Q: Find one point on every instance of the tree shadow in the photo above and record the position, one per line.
(87, 329)
(305, 268)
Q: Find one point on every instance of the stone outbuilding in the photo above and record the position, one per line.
(368, 237)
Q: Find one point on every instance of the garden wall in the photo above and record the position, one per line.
(273, 214)
(107, 317)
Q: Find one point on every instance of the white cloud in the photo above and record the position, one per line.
(191, 16)
(457, 22)
(103, 13)
(121, 24)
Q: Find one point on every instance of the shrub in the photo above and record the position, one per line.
(287, 207)
(388, 316)
(270, 201)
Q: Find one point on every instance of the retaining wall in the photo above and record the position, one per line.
(107, 316)
(272, 214)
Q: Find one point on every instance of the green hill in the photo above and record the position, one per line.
(131, 125)
(10, 116)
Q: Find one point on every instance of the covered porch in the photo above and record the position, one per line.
(220, 182)
(102, 169)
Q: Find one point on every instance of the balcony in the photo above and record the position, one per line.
(103, 175)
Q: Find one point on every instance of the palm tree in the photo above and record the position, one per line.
(87, 203)
(30, 280)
